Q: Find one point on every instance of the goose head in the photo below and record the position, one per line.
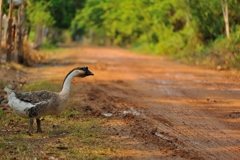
(79, 72)
(82, 71)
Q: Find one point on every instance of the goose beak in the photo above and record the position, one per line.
(88, 73)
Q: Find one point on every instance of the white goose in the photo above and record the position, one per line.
(35, 104)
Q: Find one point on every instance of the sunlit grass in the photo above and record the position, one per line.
(71, 135)
(17, 66)
(2, 84)
(42, 85)
(51, 50)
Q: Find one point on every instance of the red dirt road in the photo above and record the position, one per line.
(159, 109)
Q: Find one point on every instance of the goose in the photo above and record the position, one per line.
(33, 105)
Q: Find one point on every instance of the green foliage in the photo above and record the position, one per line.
(37, 13)
(48, 19)
(56, 13)
(64, 11)
(156, 25)
(209, 18)
(226, 52)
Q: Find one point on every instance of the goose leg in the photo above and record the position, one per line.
(30, 127)
(39, 130)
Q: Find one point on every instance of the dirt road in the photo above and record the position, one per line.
(158, 109)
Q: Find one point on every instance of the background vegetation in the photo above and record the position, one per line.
(188, 30)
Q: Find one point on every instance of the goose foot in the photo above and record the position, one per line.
(39, 129)
(30, 127)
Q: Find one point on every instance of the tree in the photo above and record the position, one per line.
(1, 2)
(9, 45)
(224, 4)
(39, 18)
(63, 11)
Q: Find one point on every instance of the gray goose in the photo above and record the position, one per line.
(36, 104)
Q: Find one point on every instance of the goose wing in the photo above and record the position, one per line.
(34, 97)
(38, 102)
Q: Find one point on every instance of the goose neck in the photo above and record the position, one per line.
(67, 83)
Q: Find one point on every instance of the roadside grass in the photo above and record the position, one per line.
(16, 66)
(2, 84)
(52, 50)
(52, 85)
(71, 135)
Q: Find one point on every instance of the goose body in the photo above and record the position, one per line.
(35, 104)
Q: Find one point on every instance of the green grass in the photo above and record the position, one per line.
(2, 114)
(52, 50)
(2, 83)
(17, 66)
(72, 135)
(53, 85)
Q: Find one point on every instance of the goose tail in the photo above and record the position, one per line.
(9, 91)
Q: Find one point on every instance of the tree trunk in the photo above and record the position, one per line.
(224, 4)
(38, 36)
(1, 2)
(5, 27)
(9, 34)
(23, 19)
(18, 44)
(20, 33)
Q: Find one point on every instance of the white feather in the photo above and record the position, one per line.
(18, 106)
